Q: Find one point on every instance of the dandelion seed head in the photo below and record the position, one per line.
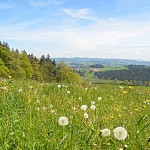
(93, 107)
(38, 101)
(63, 121)
(84, 107)
(86, 115)
(68, 92)
(80, 98)
(105, 132)
(99, 98)
(92, 102)
(59, 86)
(20, 90)
(120, 133)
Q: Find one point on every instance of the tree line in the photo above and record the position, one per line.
(137, 74)
(21, 65)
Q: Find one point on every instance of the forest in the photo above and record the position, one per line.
(21, 65)
(137, 74)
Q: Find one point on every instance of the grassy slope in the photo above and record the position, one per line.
(29, 118)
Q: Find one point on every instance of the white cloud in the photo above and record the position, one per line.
(84, 13)
(101, 39)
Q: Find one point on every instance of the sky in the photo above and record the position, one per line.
(78, 28)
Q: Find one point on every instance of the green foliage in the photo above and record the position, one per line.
(25, 65)
(66, 74)
(30, 111)
(21, 65)
(4, 53)
(4, 71)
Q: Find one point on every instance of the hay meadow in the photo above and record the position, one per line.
(30, 113)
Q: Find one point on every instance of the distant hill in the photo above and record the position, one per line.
(103, 61)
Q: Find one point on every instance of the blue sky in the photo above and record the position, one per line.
(84, 28)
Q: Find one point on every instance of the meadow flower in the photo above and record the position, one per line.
(52, 111)
(80, 98)
(92, 102)
(93, 107)
(63, 121)
(86, 115)
(20, 90)
(4, 88)
(99, 98)
(73, 108)
(120, 133)
(68, 92)
(120, 148)
(51, 106)
(44, 108)
(124, 92)
(86, 89)
(59, 86)
(30, 87)
(38, 101)
(105, 132)
(125, 146)
(121, 87)
(84, 107)
(37, 108)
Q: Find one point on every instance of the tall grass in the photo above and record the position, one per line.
(30, 111)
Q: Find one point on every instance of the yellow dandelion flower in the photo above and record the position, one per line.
(121, 87)
(130, 87)
(9, 77)
(124, 92)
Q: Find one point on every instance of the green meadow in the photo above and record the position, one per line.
(29, 114)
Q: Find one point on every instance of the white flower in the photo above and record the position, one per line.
(99, 98)
(4, 88)
(51, 106)
(52, 111)
(93, 107)
(105, 132)
(44, 108)
(37, 108)
(86, 89)
(59, 86)
(80, 98)
(120, 148)
(84, 107)
(120, 133)
(73, 108)
(86, 115)
(63, 121)
(125, 146)
(20, 90)
(38, 101)
(92, 102)
(68, 92)
(30, 87)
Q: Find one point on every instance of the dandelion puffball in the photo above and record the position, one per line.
(93, 107)
(68, 92)
(120, 133)
(99, 98)
(105, 132)
(59, 86)
(86, 115)
(63, 121)
(84, 107)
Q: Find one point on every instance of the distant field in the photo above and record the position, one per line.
(108, 68)
(30, 112)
